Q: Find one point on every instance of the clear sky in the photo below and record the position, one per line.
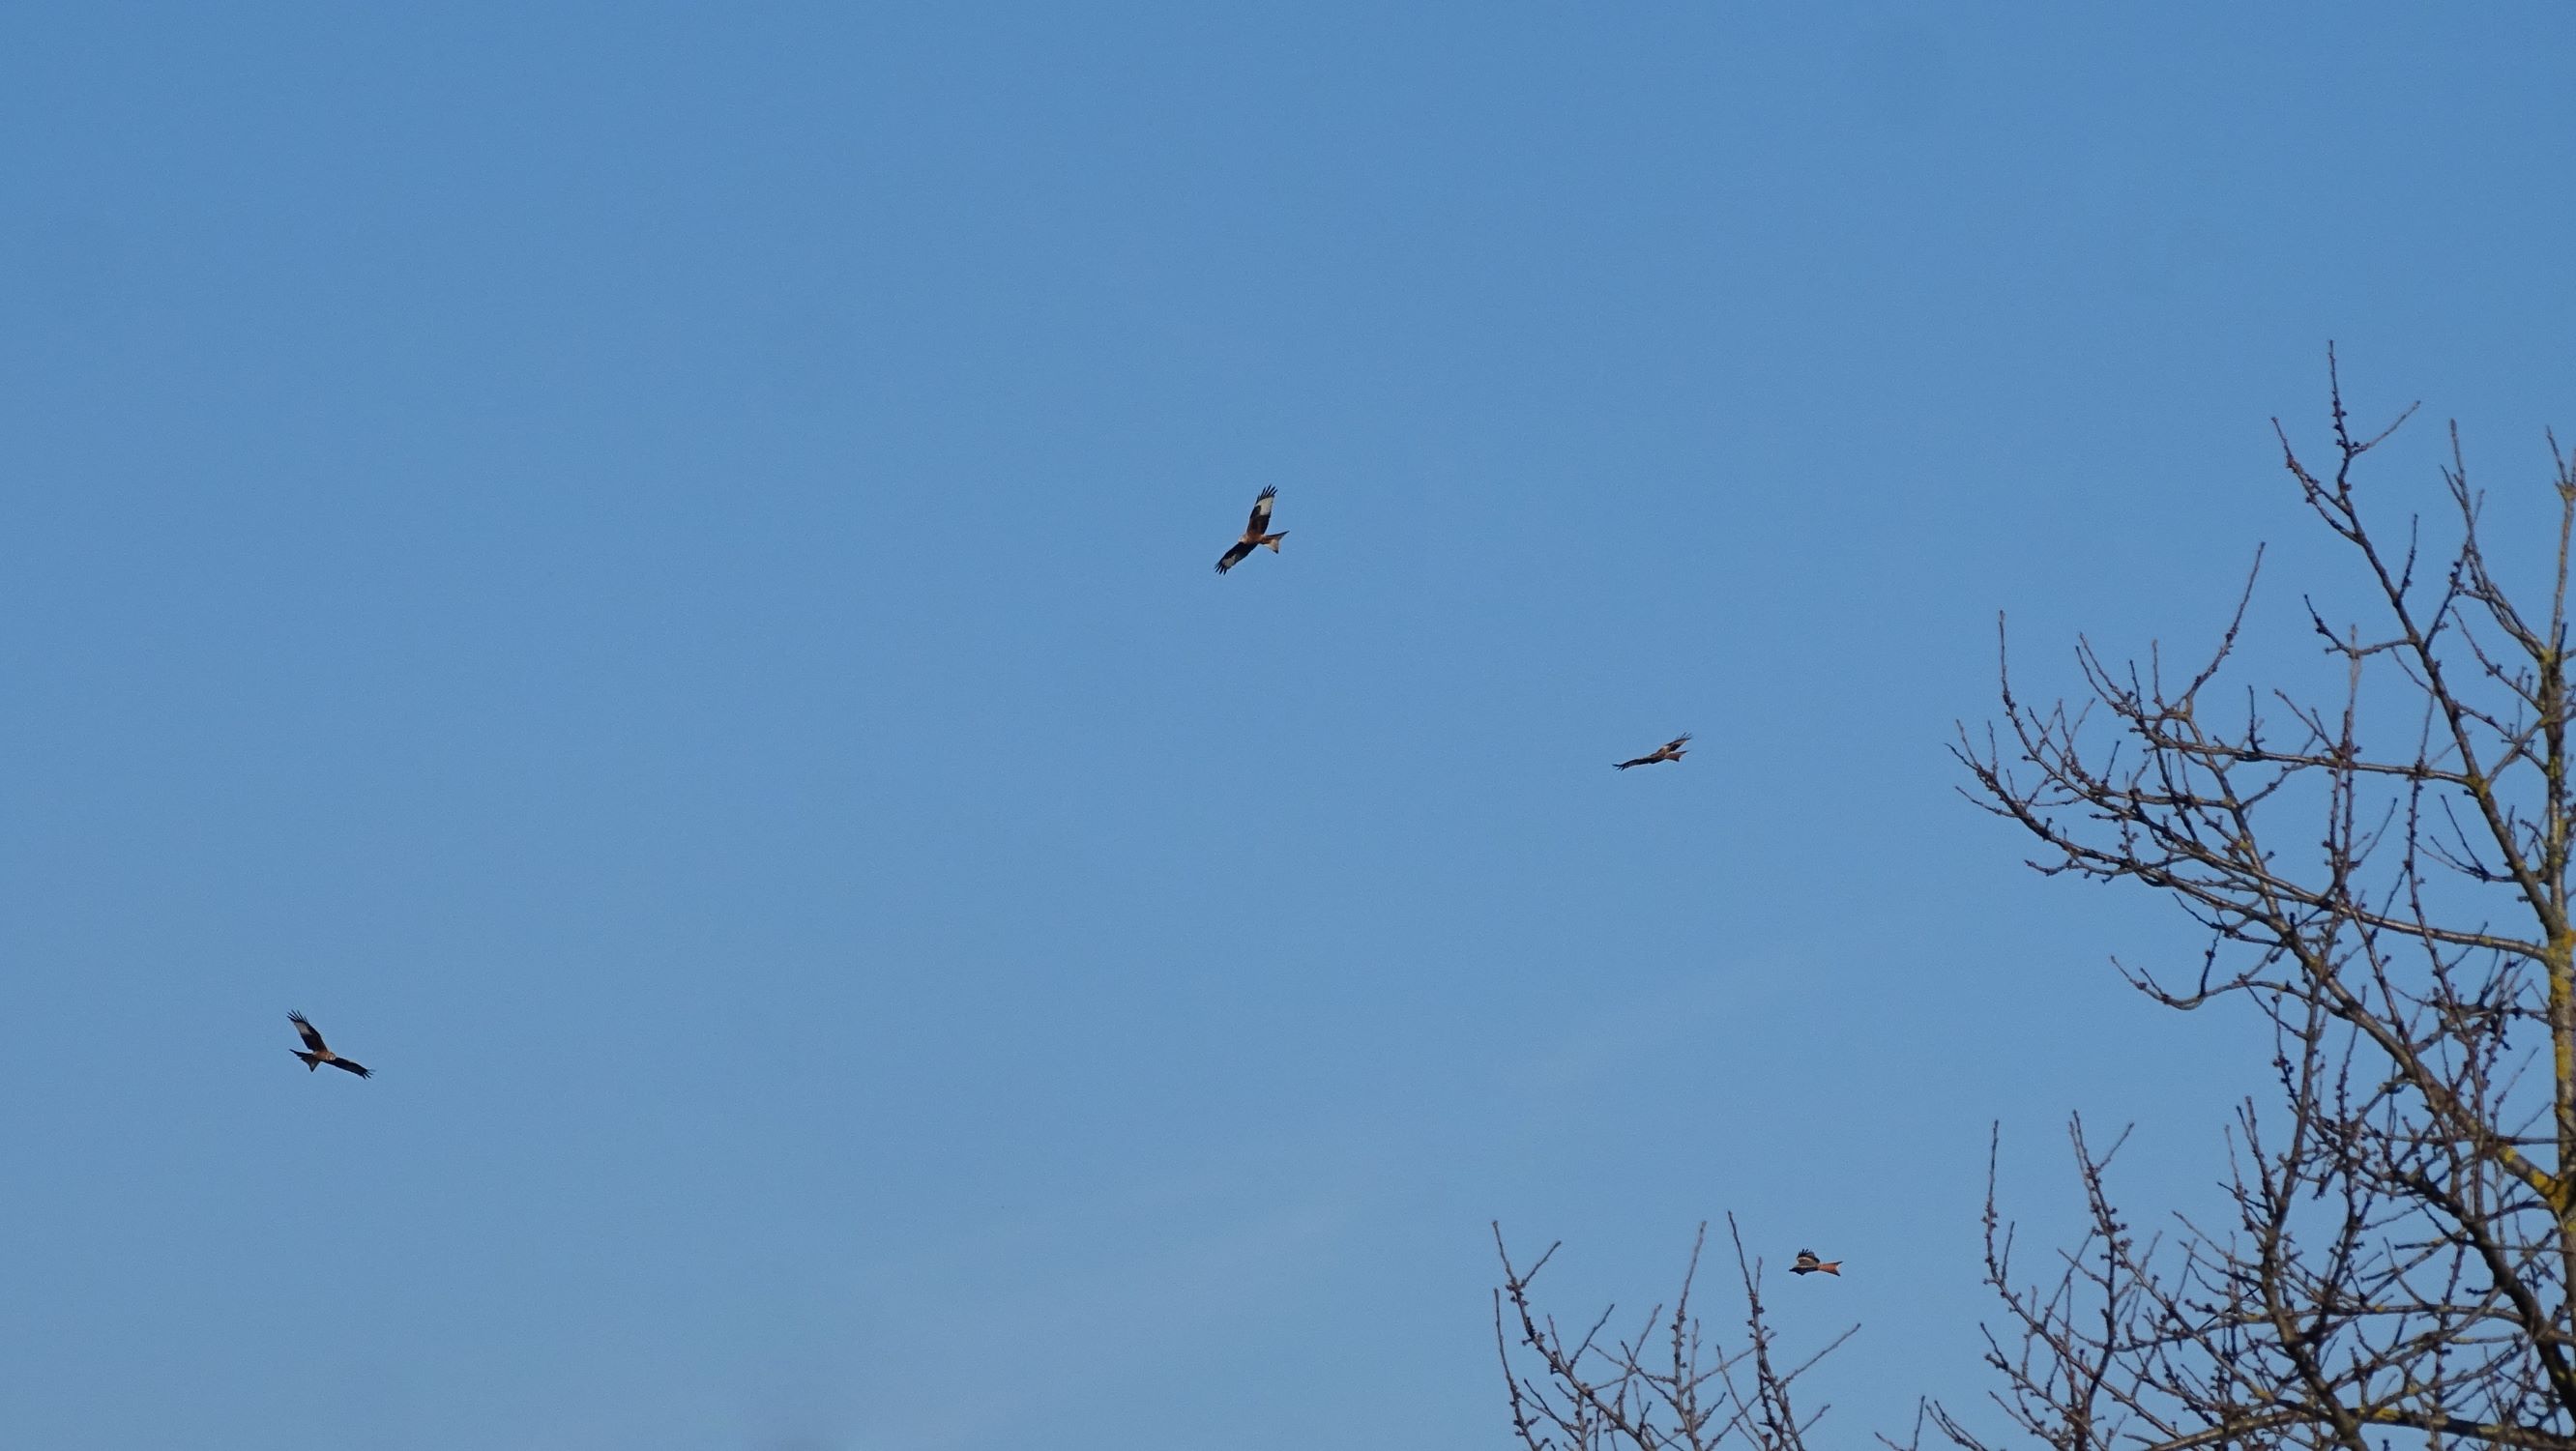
(648, 566)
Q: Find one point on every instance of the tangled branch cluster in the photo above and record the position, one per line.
(1664, 1388)
(2394, 901)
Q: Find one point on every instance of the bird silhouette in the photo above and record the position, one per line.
(320, 1051)
(1255, 534)
(1669, 751)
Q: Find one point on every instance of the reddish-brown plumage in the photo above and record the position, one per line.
(315, 1052)
(1254, 535)
(1669, 751)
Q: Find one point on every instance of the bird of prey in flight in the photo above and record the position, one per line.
(315, 1052)
(1254, 535)
(1669, 751)
(1807, 1264)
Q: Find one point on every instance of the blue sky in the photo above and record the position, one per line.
(648, 566)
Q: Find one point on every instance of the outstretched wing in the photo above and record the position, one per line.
(356, 1068)
(1260, 524)
(1640, 761)
(305, 1030)
(1234, 556)
(1675, 744)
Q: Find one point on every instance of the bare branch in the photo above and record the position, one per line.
(2381, 872)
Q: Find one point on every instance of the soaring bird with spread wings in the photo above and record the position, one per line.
(1669, 751)
(1255, 535)
(1807, 1264)
(320, 1052)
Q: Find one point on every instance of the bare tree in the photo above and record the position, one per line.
(2382, 872)
(1664, 1388)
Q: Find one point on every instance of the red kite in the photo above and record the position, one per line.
(1254, 536)
(321, 1052)
(1669, 751)
(1807, 1264)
